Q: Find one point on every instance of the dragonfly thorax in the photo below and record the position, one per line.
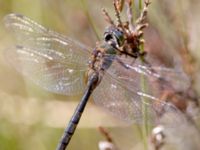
(101, 59)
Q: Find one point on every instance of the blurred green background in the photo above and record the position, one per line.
(31, 118)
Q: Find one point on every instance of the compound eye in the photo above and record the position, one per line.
(120, 37)
(108, 37)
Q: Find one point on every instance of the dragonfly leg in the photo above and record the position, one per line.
(141, 55)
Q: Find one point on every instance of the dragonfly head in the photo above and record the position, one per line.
(114, 36)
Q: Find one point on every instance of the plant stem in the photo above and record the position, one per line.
(145, 113)
(144, 100)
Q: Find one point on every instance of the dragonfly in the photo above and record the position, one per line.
(62, 65)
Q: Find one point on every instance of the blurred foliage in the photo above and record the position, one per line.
(173, 33)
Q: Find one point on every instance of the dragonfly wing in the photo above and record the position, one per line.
(128, 105)
(157, 78)
(30, 34)
(122, 93)
(178, 80)
(52, 61)
(52, 74)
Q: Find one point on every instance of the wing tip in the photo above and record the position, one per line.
(14, 15)
(9, 18)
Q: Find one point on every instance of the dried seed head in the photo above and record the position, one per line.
(143, 15)
(142, 41)
(140, 34)
(119, 4)
(107, 17)
(141, 27)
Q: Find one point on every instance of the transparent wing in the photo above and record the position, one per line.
(174, 78)
(52, 61)
(156, 78)
(130, 93)
(129, 105)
